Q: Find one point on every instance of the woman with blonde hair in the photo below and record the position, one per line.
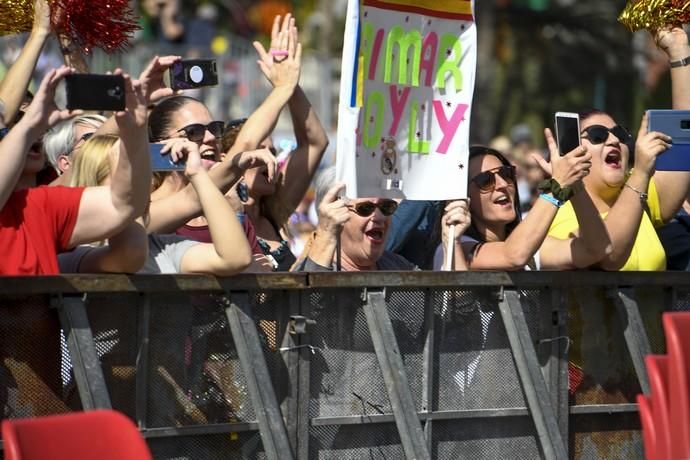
(228, 255)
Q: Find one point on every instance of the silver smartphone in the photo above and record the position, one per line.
(567, 131)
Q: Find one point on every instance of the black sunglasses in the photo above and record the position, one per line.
(597, 134)
(486, 180)
(367, 208)
(196, 131)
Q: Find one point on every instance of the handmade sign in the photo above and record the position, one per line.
(406, 90)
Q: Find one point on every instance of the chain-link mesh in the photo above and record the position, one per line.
(489, 438)
(345, 376)
(355, 442)
(30, 369)
(226, 446)
(194, 376)
(610, 436)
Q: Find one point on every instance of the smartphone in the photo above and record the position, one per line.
(161, 162)
(567, 131)
(95, 92)
(193, 73)
(675, 123)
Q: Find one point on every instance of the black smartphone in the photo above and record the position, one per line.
(160, 162)
(193, 73)
(95, 92)
(567, 131)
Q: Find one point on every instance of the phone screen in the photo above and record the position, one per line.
(160, 162)
(567, 133)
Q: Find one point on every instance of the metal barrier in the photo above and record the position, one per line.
(344, 365)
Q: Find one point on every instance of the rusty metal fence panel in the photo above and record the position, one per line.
(170, 361)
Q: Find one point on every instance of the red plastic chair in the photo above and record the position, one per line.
(677, 329)
(93, 435)
(657, 370)
(649, 433)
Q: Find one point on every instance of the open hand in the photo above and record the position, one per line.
(281, 64)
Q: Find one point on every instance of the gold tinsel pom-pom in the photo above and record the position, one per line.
(654, 14)
(16, 16)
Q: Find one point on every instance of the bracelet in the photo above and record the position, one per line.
(643, 195)
(681, 62)
(554, 201)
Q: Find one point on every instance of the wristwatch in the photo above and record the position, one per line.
(681, 63)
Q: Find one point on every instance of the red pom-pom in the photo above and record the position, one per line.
(105, 24)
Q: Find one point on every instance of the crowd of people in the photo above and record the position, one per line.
(78, 194)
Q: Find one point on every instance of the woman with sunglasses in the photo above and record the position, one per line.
(362, 226)
(621, 197)
(499, 240)
(632, 203)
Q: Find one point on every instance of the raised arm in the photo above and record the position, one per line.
(41, 114)
(282, 71)
(105, 211)
(623, 220)
(13, 87)
(589, 244)
(312, 141)
(125, 252)
(524, 241)
(673, 186)
(170, 213)
(230, 252)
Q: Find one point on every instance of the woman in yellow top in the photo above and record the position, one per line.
(621, 197)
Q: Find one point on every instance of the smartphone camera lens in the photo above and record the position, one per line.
(115, 92)
(684, 124)
(196, 74)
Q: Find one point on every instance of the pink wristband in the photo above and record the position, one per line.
(278, 53)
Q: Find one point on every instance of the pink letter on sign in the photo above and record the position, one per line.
(398, 106)
(449, 127)
(376, 50)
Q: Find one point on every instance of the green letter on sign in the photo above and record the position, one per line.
(405, 41)
(449, 42)
(370, 140)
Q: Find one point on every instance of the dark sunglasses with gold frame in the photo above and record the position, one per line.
(367, 208)
(486, 180)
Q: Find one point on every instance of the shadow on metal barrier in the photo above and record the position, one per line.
(375, 365)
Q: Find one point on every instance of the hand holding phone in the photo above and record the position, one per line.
(163, 161)
(567, 131)
(674, 123)
(193, 73)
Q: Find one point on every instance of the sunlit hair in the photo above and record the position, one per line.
(160, 118)
(477, 151)
(230, 136)
(91, 165)
(60, 140)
